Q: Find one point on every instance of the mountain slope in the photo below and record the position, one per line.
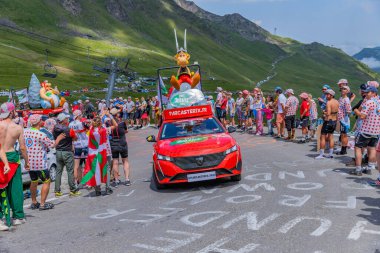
(370, 56)
(81, 33)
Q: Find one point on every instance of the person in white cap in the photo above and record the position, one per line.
(65, 155)
(329, 124)
(37, 147)
(101, 105)
(219, 97)
(10, 133)
(344, 82)
(89, 109)
(291, 107)
(80, 103)
(80, 126)
(344, 118)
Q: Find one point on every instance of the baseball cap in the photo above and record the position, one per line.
(62, 116)
(120, 98)
(342, 81)
(79, 101)
(363, 86)
(240, 92)
(371, 89)
(326, 86)
(245, 92)
(6, 109)
(330, 91)
(278, 88)
(347, 88)
(129, 97)
(77, 113)
(34, 119)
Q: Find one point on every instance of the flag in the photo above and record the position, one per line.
(10, 98)
(95, 171)
(6, 178)
(161, 92)
(22, 96)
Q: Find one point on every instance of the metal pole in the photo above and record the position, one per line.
(111, 81)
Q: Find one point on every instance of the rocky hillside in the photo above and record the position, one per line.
(231, 49)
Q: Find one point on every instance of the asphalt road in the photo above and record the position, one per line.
(286, 202)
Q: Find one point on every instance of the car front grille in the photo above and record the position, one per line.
(199, 162)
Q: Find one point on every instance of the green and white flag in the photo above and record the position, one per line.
(22, 96)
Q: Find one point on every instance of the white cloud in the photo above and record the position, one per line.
(239, 1)
(371, 62)
(258, 22)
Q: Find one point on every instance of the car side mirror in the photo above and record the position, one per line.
(231, 129)
(151, 138)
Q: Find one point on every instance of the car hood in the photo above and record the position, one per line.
(195, 145)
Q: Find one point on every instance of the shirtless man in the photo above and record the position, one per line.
(9, 134)
(329, 124)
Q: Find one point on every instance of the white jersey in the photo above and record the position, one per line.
(81, 133)
(281, 100)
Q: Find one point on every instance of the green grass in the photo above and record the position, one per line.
(146, 36)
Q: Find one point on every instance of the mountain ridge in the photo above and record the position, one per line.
(230, 48)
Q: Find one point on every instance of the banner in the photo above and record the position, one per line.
(22, 96)
(188, 112)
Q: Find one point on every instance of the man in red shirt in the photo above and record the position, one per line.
(223, 108)
(305, 114)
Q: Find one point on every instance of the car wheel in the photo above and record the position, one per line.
(53, 172)
(156, 183)
(236, 178)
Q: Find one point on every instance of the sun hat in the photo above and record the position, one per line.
(347, 88)
(342, 81)
(34, 119)
(62, 116)
(79, 101)
(373, 84)
(289, 91)
(240, 92)
(330, 91)
(6, 109)
(129, 97)
(245, 92)
(219, 89)
(304, 95)
(77, 113)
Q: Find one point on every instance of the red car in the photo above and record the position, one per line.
(192, 145)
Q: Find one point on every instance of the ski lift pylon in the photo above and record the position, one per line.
(49, 70)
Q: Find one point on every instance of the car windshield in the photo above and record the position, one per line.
(190, 128)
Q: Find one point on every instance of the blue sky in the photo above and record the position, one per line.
(347, 24)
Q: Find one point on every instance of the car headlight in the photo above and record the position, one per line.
(230, 150)
(164, 158)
